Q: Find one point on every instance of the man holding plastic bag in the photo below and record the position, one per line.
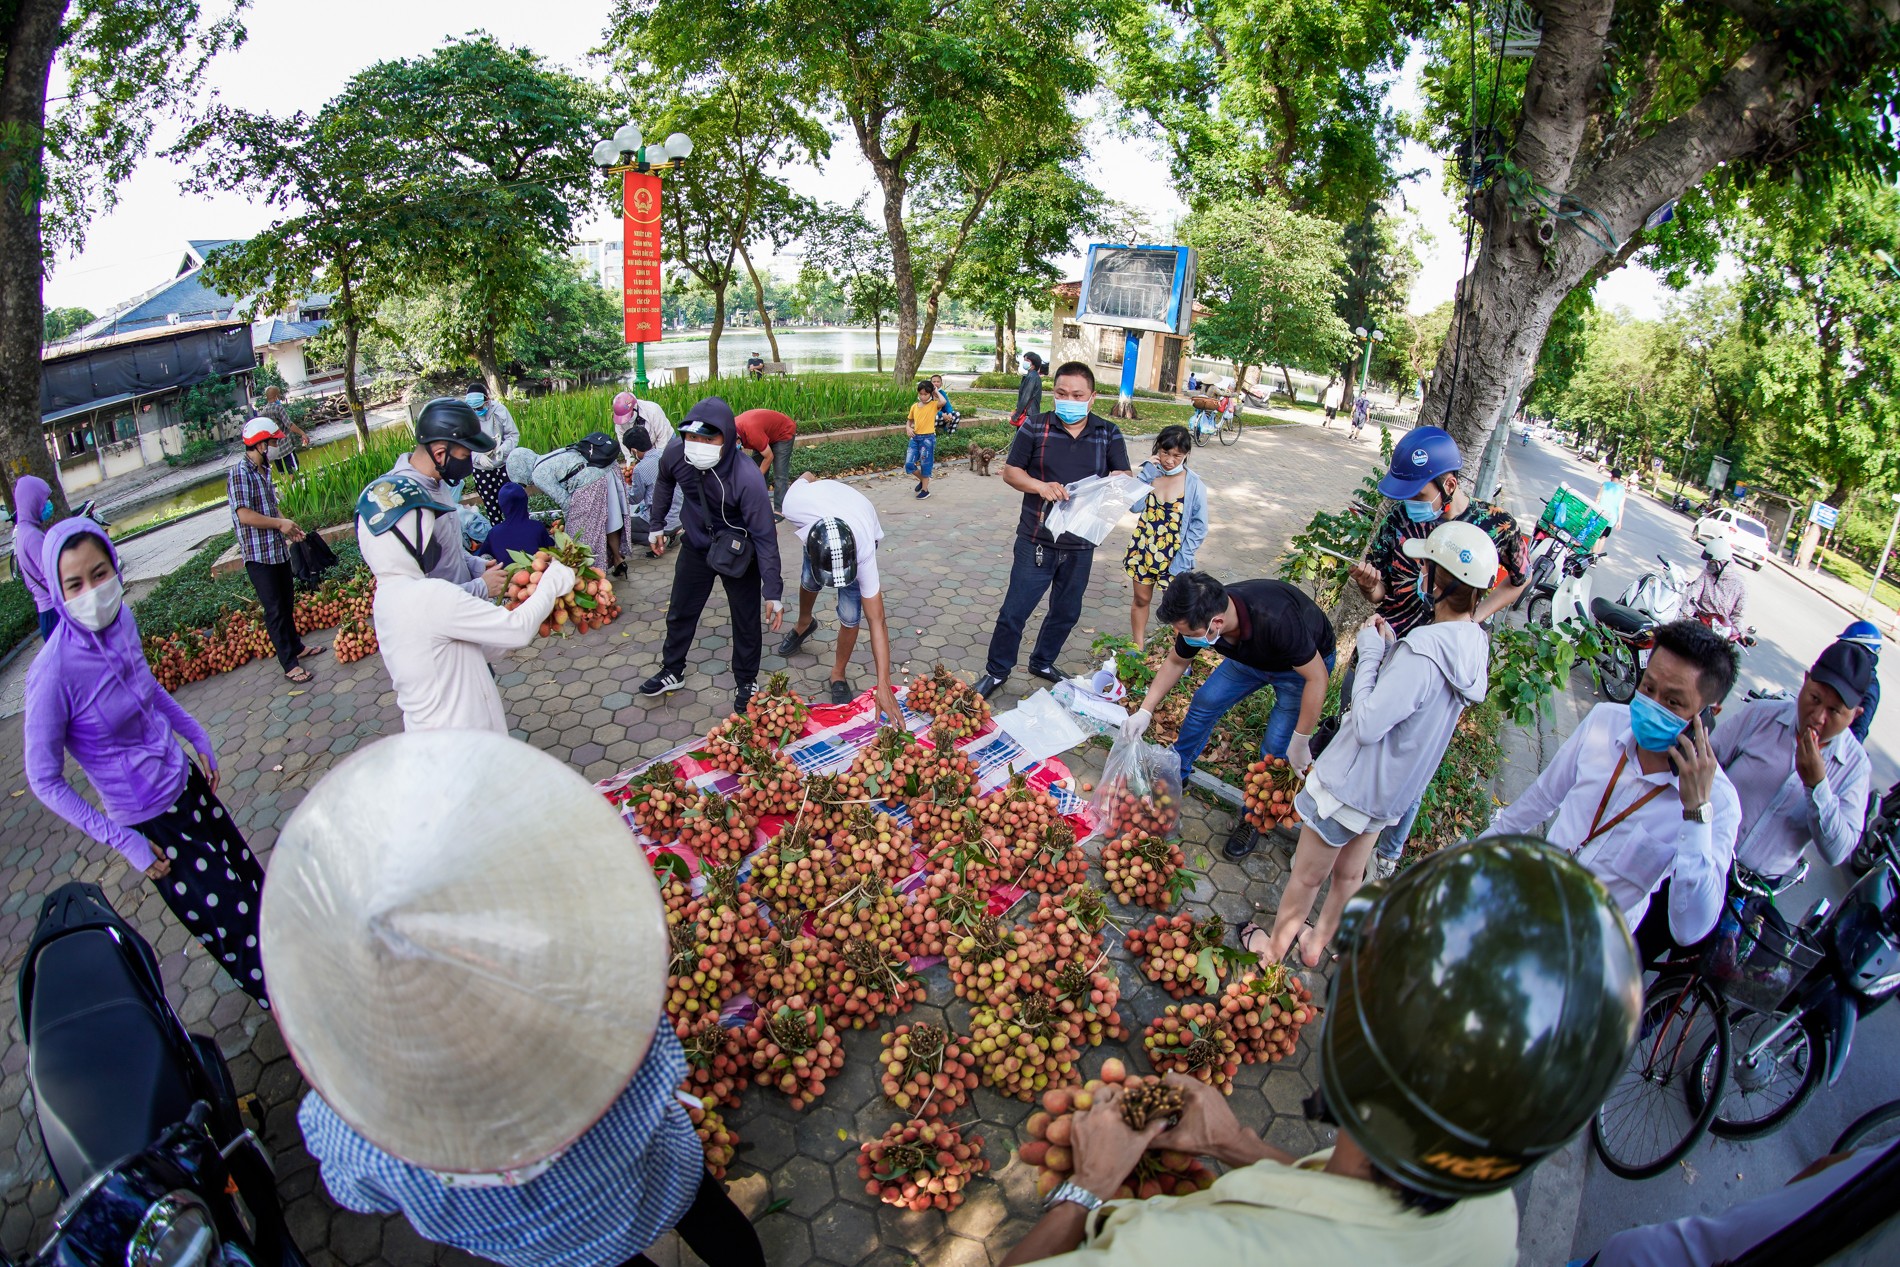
(1052, 453)
(1270, 634)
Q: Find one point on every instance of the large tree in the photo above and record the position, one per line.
(1034, 219)
(948, 98)
(494, 163)
(124, 66)
(1623, 109)
(845, 245)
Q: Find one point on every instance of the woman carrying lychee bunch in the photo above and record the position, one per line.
(436, 638)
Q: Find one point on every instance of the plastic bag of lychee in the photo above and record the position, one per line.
(1140, 791)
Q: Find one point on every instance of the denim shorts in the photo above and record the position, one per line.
(1332, 831)
(921, 456)
(850, 606)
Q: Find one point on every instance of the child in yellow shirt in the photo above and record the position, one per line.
(921, 426)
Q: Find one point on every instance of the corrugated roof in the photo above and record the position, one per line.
(282, 331)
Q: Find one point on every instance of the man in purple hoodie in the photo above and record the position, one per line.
(730, 536)
(92, 695)
(32, 511)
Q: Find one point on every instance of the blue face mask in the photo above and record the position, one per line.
(1072, 411)
(1655, 727)
(46, 513)
(1421, 512)
(1197, 642)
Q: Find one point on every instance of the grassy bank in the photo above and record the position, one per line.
(1854, 574)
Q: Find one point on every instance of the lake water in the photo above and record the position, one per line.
(814, 351)
(212, 490)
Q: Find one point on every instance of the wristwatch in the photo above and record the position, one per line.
(1072, 1191)
(1703, 813)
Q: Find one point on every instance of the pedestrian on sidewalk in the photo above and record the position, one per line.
(1172, 525)
(518, 530)
(491, 467)
(1636, 791)
(1425, 481)
(1029, 390)
(645, 472)
(630, 409)
(1049, 452)
(1269, 634)
(729, 537)
(920, 455)
(92, 695)
(448, 436)
(1407, 698)
(437, 640)
(1335, 392)
(840, 529)
(770, 436)
(1361, 412)
(1437, 1120)
(264, 538)
(32, 512)
(283, 452)
(507, 1080)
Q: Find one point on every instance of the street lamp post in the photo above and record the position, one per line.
(623, 153)
(1365, 364)
(1887, 550)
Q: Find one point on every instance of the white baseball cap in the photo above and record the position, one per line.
(1463, 550)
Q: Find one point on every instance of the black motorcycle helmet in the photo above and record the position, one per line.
(1485, 1003)
(598, 449)
(450, 418)
(831, 552)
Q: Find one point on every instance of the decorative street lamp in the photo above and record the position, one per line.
(625, 154)
(1365, 366)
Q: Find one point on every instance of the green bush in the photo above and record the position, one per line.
(19, 620)
(820, 402)
(196, 452)
(1010, 381)
(321, 495)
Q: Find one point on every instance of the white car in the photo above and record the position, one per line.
(1746, 535)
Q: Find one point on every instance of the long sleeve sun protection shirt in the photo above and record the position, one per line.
(92, 695)
(29, 535)
(1653, 844)
(732, 493)
(611, 1194)
(1755, 743)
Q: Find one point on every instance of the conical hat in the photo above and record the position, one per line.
(469, 978)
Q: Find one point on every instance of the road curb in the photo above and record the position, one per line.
(1803, 577)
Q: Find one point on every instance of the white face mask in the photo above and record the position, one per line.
(702, 456)
(99, 606)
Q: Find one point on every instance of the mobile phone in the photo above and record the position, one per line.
(1707, 718)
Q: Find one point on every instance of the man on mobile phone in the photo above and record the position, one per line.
(1638, 795)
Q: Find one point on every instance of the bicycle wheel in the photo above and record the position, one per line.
(1230, 429)
(1646, 1124)
(1538, 613)
(1878, 1127)
(1618, 668)
(1765, 1093)
(1200, 433)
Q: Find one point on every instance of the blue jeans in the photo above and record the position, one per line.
(850, 602)
(920, 458)
(1064, 576)
(1225, 687)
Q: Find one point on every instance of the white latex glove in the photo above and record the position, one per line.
(1299, 753)
(560, 576)
(1137, 724)
(654, 539)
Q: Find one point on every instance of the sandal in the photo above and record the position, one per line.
(307, 652)
(1245, 937)
(298, 674)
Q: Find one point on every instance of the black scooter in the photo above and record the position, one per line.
(139, 1117)
(1880, 838)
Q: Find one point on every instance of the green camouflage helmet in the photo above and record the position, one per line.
(1484, 1005)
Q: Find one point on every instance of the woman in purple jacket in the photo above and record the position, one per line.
(90, 693)
(32, 510)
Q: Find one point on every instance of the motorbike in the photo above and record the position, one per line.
(1880, 838)
(139, 1117)
(1658, 593)
(1625, 633)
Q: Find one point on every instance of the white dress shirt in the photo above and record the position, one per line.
(1655, 843)
(1780, 815)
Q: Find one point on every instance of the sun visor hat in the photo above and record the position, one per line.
(385, 501)
(261, 431)
(831, 552)
(1421, 456)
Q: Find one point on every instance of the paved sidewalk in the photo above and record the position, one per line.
(945, 563)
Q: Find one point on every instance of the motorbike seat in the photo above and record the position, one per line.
(105, 1065)
(1618, 617)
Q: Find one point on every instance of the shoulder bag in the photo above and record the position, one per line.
(731, 552)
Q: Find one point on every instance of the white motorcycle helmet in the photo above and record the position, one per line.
(1718, 551)
(1459, 549)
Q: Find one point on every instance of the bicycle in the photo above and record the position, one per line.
(1678, 1069)
(1215, 415)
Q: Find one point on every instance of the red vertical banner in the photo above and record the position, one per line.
(640, 256)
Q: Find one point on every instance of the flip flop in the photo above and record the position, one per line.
(299, 675)
(307, 652)
(1245, 935)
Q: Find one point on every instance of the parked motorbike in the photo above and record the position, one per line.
(1625, 633)
(1880, 838)
(1658, 593)
(139, 1118)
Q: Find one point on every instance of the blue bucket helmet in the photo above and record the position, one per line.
(1421, 456)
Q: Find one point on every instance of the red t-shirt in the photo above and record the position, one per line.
(759, 427)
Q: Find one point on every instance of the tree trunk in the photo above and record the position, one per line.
(1288, 380)
(896, 186)
(758, 293)
(350, 336)
(27, 45)
(718, 327)
(1349, 378)
(489, 360)
(1009, 348)
(1001, 364)
(877, 336)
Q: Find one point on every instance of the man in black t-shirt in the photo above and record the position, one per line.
(1271, 634)
(1050, 452)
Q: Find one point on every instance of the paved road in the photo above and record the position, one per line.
(1793, 624)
